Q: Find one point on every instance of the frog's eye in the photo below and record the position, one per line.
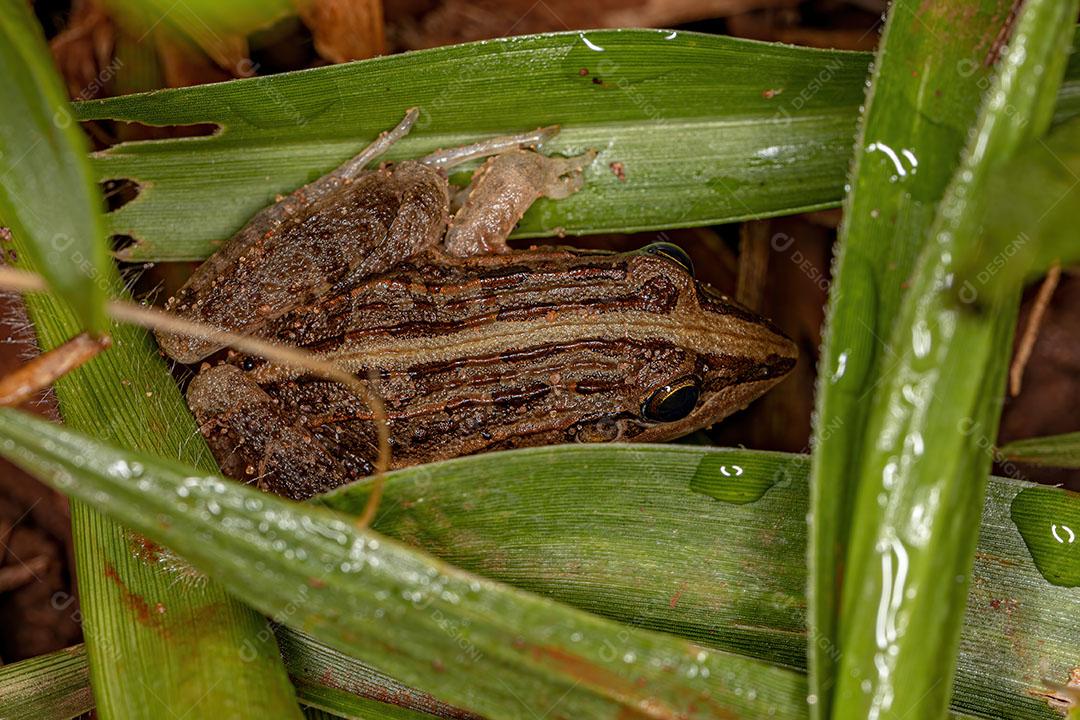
(671, 252)
(672, 402)
(247, 364)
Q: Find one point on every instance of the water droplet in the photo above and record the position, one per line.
(590, 44)
(717, 477)
(1049, 521)
(841, 366)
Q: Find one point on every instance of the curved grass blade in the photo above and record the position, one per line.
(49, 687)
(599, 541)
(924, 466)
(708, 129)
(471, 642)
(1053, 450)
(157, 646)
(927, 86)
(48, 194)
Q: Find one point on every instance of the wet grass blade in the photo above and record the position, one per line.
(918, 113)
(1053, 450)
(54, 686)
(477, 644)
(143, 627)
(706, 129)
(600, 541)
(48, 193)
(923, 469)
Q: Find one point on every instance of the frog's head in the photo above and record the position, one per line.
(700, 355)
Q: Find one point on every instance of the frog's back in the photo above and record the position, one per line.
(514, 350)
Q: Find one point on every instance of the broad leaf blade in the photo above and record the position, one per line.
(625, 532)
(417, 618)
(706, 128)
(48, 194)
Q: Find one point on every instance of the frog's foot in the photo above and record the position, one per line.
(502, 190)
(255, 441)
(446, 159)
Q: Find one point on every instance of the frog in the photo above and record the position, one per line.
(472, 346)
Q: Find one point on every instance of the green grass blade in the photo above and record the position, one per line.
(1053, 450)
(471, 642)
(1030, 208)
(923, 471)
(708, 129)
(927, 86)
(48, 193)
(53, 687)
(334, 681)
(598, 540)
(344, 704)
(624, 532)
(141, 626)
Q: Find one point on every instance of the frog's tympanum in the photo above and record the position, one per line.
(472, 346)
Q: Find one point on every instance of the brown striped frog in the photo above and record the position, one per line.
(471, 345)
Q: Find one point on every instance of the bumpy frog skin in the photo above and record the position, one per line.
(475, 347)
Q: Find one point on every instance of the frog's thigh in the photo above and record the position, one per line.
(500, 193)
(254, 441)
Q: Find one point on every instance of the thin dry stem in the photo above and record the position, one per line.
(1031, 331)
(24, 382)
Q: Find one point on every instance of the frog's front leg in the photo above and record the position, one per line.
(255, 440)
(502, 190)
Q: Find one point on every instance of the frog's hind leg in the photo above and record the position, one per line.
(255, 441)
(502, 190)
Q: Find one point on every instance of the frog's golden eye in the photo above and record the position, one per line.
(672, 402)
(247, 364)
(671, 252)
